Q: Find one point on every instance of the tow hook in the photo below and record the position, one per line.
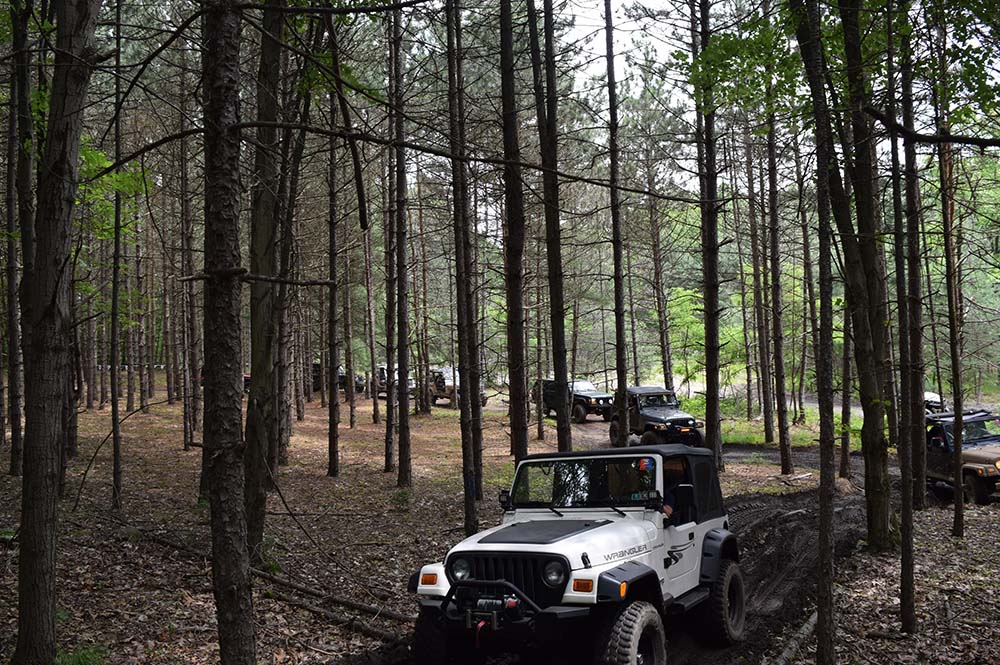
(479, 629)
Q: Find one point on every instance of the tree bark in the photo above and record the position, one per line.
(546, 107)
(403, 478)
(760, 321)
(47, 324)
(262, 410)
(777, 327)
(223, 440)
(14, 207)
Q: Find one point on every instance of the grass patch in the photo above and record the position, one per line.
(92, 655)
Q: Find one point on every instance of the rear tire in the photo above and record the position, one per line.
(579, 414)
(633, 635)
(649, 439)
(724, 612)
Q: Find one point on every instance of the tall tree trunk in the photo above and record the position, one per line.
(192, 346)
(402, 311)
(223, 440)
(760, 321)
(917, 426)
(349, 396)
(904, 447)
(116, 261)
(546, 108)
(846, 394)
(777, 327)
(14, 207)
(659, 286)
(460, 221)
(47, 326)
(710, 249)
(333, 343)
(621, 367)
(514, 238)
(262, 410)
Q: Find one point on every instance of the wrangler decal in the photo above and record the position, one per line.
(621, 554)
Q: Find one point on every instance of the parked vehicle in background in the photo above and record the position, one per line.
(585, 399)
(443, 386)
(933, 403)
(654, 414)
(980, 452)
(380, 381)
(317, 379)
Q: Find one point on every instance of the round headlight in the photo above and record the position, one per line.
(461, 570)
(554, 573)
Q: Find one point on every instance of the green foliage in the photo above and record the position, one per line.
(401, 499)
(89, 655)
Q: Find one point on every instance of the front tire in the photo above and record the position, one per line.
(725, 610)
(433, 644)
(649, 439)
(579, 414)
(633, 635)
(613, 433)
(606, 415)
(976, 489)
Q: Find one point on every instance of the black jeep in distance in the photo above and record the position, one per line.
(654, 414)
(584, 396)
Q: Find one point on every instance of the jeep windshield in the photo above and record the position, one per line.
(658, 401)
(582, 387)
(979, 431)
(582, 483)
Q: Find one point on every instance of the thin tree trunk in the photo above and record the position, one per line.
(116, 262)
(760, 327)
(513, 241)
(370, 313)
(777, 326)
(621, 393)
(333, 345)
(659, 286)
(546, 107)
(402, 316)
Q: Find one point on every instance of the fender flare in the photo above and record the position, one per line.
(719, 545)
(632, 574)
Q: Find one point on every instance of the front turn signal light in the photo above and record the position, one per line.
(622, 589)
(428, 579)
(583, 586)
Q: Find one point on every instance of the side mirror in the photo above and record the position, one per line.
(684, 509)
(654, 501)
(505, 502)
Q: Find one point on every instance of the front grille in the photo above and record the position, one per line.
(522, 570)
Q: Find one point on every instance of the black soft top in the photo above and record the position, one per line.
(967, 416)
(649, 390)
(665, 450)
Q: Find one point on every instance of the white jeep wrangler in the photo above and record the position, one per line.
(585, 551)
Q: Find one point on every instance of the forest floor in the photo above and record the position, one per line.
(135, 586)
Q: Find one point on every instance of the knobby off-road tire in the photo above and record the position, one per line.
(724, 613)
(633, 635)
(433, 644)
(976, 489)
(649, 439)
(579, 414)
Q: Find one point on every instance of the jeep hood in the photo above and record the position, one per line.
(667, 414)
(982, 454)
(602, 539)
(596, 394)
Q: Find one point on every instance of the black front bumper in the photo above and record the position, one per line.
(499, 606)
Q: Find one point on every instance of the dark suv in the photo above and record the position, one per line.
(655, 415)
(584, 396)
(980, 452)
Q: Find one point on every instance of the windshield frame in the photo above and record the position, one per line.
(672, 401)
(978, 441)
(573, 386)
(540, 505)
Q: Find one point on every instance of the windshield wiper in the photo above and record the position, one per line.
(612, 507)
(554, 510)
